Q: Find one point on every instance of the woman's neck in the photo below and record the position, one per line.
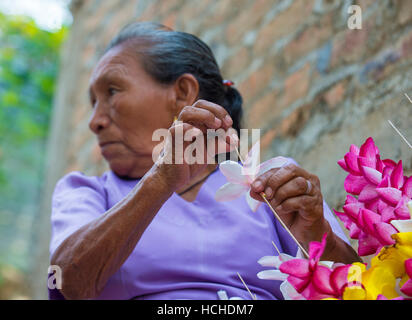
(188, 192)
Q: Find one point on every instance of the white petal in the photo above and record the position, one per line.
(253, 204)
(222, 295)
(327, 264)
(285, 257)
(272, 275)
(276, 162)
(274, 261)
(230, 191)
(300, 254)
(233, 172)
(270, 261)
(402, 225)
(252, 161)
(289, 292)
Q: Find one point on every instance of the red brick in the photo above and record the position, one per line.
(257, 81)
(335, 95)
(222, 11)
(150, 12)
(404, 11)
(236, 63)
(195, 10)
(293, 124)
(267, 139)
(309, 39)
(296, 85)
(283, 24)
(406, 45)
(248, 19)
(170, 20)
(353, 46)
(262, 110)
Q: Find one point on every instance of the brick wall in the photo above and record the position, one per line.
(311, 84)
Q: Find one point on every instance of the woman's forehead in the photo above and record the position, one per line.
(117, 62)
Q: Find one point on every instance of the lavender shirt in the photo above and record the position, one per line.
(190, 250)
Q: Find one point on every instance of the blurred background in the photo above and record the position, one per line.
(312, 85)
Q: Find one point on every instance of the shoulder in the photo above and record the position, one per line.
(79, 182)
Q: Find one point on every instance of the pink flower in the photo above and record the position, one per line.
(312, 278)
(407, 287)
(241, 177)
(382, 195)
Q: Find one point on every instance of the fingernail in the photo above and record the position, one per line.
(234, 139)
(257, 185)
(228, 120)
(218, 122)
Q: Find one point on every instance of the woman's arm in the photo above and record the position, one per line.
(96, 251)
(92, 254)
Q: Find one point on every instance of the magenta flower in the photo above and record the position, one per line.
(312, 278)
(407, 287)
(382, 195)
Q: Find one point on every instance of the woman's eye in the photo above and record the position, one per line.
(112, 91)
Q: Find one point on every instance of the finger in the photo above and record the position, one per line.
(293, 188)
(219, 112)
(201, 118)
(277, 177)
(297, 204)
(256, 195)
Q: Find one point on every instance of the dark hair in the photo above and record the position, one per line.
(167, 54)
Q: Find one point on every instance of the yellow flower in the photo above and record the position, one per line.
(355, 275)
(380, 280)
(381, 277)
(354, 293)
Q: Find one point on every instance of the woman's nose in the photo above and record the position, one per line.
(99, 120)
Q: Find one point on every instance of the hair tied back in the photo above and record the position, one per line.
(228, 83)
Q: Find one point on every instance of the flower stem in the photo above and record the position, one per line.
(275, 214)
(247, 288)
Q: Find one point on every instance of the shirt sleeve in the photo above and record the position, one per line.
(77, 200)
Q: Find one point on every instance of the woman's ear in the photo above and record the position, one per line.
(186, 90)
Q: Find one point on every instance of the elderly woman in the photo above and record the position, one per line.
(153, 230)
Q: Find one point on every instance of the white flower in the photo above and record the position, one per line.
(241, 177)
(288, 291)
(223, 296)
(404, 225)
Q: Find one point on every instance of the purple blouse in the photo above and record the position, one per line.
(190, 250)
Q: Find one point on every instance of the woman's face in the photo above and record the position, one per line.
(128, 106)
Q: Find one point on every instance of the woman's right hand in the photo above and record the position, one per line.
(177, 168)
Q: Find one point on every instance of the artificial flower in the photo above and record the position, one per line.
(306, 278)
(407, 286)
(222, 294)
(382, 195)
(241, 177)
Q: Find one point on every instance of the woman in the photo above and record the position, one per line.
(150, 230)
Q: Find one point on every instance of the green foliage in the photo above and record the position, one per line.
(28, 67)
(29, 60)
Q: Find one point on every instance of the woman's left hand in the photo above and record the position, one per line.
(296, 196)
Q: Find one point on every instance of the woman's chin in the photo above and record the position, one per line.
(128, 169)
